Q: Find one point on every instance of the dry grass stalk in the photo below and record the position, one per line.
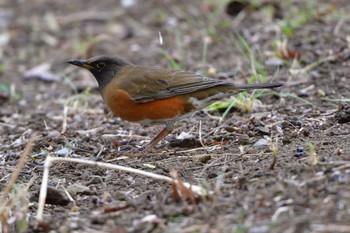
(15, 174)
(199, 191)
(19, 199)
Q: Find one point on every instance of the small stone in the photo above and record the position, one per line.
(95, 180)
(56, 197)
(261, 142)
(62, 152)
(203, 159)
(78, 189)
(339, 151)
(263, 130)
(50, 148)
(343, 115)
(243, 139)
(305, 132)
(274, 61)
(300, 149)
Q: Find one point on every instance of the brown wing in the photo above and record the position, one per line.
(146, 84)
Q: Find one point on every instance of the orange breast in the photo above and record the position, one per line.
(120, 103)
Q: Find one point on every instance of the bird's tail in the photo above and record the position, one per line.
(259, 86)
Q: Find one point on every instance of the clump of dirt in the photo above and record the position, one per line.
(342, 116)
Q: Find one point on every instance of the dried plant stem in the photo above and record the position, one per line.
(15, 174)
(49, 160)
(64, 123)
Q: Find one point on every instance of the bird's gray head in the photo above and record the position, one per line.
(104, 68)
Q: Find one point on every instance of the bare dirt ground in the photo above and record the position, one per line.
(307, 190)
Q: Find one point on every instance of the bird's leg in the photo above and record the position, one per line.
(169, 126)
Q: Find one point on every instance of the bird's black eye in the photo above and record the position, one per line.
(100, 65)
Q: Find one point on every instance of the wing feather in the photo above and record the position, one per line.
(153, 84)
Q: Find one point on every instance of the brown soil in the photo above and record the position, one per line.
(298, 194)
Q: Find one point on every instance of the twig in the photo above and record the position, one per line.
(330, 228)
(100, 152)
(200, 136)
(92, 15)
(343, 167)
(64, 122)
(337, 27)
(301, 184)
(279, 211)
(274, 150)
(49, 160)
(207, 148)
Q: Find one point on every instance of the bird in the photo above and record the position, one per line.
(149, 95)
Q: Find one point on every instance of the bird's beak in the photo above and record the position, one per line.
(80, 63)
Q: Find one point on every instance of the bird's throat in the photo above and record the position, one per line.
(104, 78)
